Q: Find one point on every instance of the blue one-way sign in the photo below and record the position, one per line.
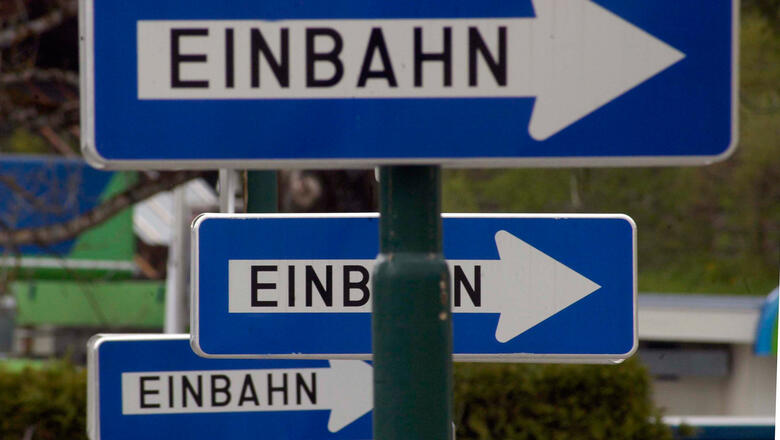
(155, 387)
(524, 287)
(456, 82)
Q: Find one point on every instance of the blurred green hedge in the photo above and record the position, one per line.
(555, 402)
(492, 401)
(45, 403)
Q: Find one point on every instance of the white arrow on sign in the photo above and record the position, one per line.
(574, 57)
(584, 56)
(344, 388)
(525, 286)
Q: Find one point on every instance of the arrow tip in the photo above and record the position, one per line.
(540, 286)
(346, 391)
(584, 57)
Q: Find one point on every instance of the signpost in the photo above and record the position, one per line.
(154, 386)
(524, 287)
(358, 83)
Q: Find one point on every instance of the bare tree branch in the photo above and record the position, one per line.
(31, 117)
(51, 234)
(23, 31)
(40, 75)
(56, 141)
(29, 197)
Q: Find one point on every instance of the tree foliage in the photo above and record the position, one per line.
(46, 403)
(525, 402)
(769, 9)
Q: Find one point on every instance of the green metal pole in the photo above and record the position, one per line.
(261, 191)
(411, 319)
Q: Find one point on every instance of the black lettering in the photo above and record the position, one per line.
(376, 42)
(272, 389)
(326, 292)
(170, 392)
(311, 391)
(229, 59)
(420, 57)
(257, 286)
(281, 67)
(177, 58)
(477, 44)
(291, 285)
(196, 393)
(475, 291)
(361, 285)
(145, 391)
(248, 386)
(332, 57)
(224, 390)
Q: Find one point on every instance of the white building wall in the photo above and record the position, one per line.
(690, 396)
(750, 390)
(749, 387)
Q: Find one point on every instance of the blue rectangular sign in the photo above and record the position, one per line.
(347, 83)
(524, 287)
(155, 387)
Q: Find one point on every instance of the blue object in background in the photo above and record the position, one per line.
(37, 191)
(766, 333)
(721, 428)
